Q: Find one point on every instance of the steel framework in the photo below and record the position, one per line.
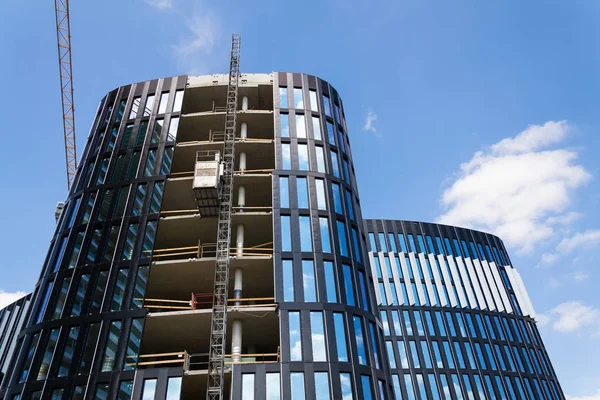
(219, 312)
(63, 35)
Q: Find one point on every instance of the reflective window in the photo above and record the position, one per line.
(248, 387)
(318, 336)
(337, 198)
(149, 390)
(133, 344)
(283, 102)
(295, 338)
(286, 233)
(402, 243)
(314, 106)
(363, 291)
(340, 336)
(308, 281)
(335, 166)
(349, 285)
(284, 194)
(330, 282)
(119, 289)
(302, 188)
(102, 392)
(164, 100)
(150, 161)
(346, 383)
(374, 345)
(178, 101)
(84, 281)
(28, 358)
(327, 106)
(414, 354)
(305, 234)
(316, 125)
(320, 159)
(89, 348)
(285, 125)
(422, 248)
(140, 195)
(47, 355)
(288, 280)
(459, 357)
(367, 387)
(403, 354)
(325, 236)
(273, 386)
(303, 157)
(110, 352)
(409, 387)
(330, 134)
(448, 353)
(419, 323)
(321, 202)
(130, 241)
(411, 242)
(99, 291)
(125, 390)
(139, 290)
(343, 238)
(407, 323)
(297, 385)
(157, 130)
(300, 126)
(356, 245)
(62, 296)
(322, 386)
(173, 127)
(298, 103)
(134, 108)
(360, 341)
(69, 349)
(286, 156)
(44, 303)
(389, 346)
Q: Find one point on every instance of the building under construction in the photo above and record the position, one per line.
(212, 245)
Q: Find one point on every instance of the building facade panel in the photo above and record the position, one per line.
(462, 350)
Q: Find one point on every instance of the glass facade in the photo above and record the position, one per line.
(459, 329)
(85, 320)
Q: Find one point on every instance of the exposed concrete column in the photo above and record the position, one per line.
(241, 198)
(244, 130)
(242, 161)
(245, 103)
(236, 340)
(239, 240)
(237, 285)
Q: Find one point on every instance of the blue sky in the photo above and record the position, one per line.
(481, 114)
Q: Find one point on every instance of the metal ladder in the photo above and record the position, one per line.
(218, 333)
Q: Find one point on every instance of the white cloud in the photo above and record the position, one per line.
(7, 298)
(585, 240)
(515, 187)
(369, 124)
(572, 316)
(592, 397)
(195, 46)
(580, 276)
(533, 138)
(566, 219)
(542, 319)
(160, 4)
(549, 258)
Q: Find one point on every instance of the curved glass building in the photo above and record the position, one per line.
(122, 309)
(457, 319)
